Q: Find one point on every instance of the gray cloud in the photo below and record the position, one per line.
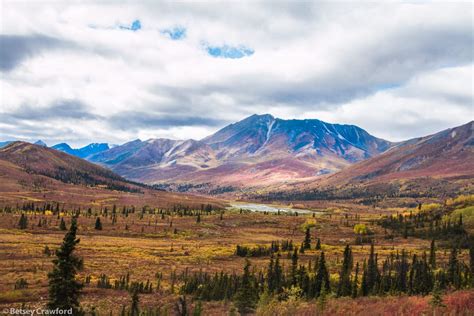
(310, 59)
(135, 120)
(61, 109)
(14, 49)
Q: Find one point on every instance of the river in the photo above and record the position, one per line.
(257, 207)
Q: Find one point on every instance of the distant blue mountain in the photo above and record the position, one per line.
(39, 142)
(84, 152)
(5, 143)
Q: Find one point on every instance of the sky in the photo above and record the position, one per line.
(115, 71)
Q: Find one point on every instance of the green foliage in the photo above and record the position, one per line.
(322, 277)
(64, 289)
(23, 222)
(307, 239)
(247, 296)
(21, 284)
(98, 224)
(318, 244)
(135, 308)
(62, 225)
(344, 285)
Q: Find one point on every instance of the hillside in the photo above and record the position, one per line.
(435, 164)
(258, 151)
(30, 172)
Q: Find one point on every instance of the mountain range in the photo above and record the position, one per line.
(259, 150)
(83, 152)
(264, 151)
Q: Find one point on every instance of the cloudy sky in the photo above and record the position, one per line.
(85, 72)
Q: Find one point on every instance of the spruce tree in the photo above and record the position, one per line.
(372, 270)
(318, 244)
(62, 225)
(64, 289)
(271, 275)
(364, 290)
(294, 267)
(307, 239)
(433, 254)
(402, 271)
(23, 222)
(355, 285)
(98, 224)
(246, 297)
(322, 276)
(278, 275)
(322, 299)
(344, 285)
(134, 308)
(454, 277)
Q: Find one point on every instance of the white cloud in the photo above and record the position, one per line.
(321, 60)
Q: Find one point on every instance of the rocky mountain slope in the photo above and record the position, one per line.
(259, 150)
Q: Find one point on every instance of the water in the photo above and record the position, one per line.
(256, 207)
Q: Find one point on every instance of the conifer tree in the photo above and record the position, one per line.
(344, 285)
(98, 224)
(322, 299)
(246, 297)
(64, 289)
(278, 275)
(372, 270)
(322, 276)
(355, 285)
(271, 275)
(62, 225)
(23, 222)
(318, 244)
(134, 308)
(453, 269)
(402, 271)
(307, 239)
(294, 267)
(433, 254)
(364, 290)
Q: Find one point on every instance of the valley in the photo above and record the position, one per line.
(399, 215)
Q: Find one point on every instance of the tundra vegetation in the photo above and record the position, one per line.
(345, 259)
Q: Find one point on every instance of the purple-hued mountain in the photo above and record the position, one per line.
(258, 150)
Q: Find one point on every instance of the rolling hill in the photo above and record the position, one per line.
(442, 163)
(30, 172)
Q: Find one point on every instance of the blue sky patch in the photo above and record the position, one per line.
(227, 51)
(135, 26)
(175, 33)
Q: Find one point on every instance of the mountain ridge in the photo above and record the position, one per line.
(255, 145)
